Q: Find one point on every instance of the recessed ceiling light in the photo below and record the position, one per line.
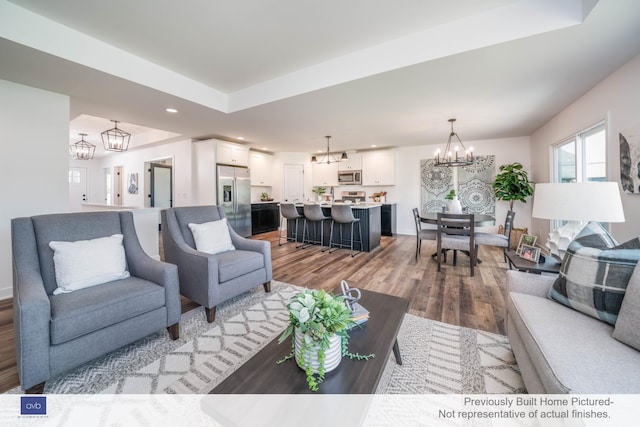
(170, 110)
(373, 145)
(241, 137)
(264, 148)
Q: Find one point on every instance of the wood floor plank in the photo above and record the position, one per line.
(450, 296)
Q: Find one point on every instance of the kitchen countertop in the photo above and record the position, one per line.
(367, 205)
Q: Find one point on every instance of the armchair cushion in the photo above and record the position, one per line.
(238, 263)
(89, 310)
(212, 237)
(86, 263)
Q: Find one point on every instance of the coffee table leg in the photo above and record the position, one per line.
(396, 352)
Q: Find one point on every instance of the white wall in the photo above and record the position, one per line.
(34, 136)
(617, 100)
(132, 161)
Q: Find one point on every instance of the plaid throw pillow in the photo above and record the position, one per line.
(595, 272)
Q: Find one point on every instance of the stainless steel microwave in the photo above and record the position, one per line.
(349, 177)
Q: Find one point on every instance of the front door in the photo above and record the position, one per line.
(77, 188)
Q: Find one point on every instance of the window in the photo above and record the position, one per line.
(74, 176)
(582, 158)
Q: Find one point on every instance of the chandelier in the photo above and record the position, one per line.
(82, 150)
(115, 139)
(328, 157)
(457, 155)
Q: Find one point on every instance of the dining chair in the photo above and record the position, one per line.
(498, 239)
(456, 232)
(421, 233)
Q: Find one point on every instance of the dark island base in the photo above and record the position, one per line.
(370, 223)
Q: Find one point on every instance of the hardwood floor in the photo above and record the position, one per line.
(451, 296)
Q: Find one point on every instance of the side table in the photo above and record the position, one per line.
(550, 265)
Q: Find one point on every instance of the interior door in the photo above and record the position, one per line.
(161, 188)
(117, 185)
(293, 183)
(77, 188)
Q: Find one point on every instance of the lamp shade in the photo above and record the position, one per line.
(583, 201)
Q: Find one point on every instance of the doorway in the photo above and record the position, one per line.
(77, 188)
(160, 183)
(117, 185)
(293, 183)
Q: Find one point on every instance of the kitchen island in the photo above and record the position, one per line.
(370, 223)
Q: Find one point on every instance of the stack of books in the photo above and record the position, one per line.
(359, 314)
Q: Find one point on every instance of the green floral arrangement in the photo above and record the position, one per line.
(318, 315)
(451, 195)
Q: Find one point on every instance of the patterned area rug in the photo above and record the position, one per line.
(437, 358)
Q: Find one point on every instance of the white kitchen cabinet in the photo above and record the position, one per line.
(378, 168)
(325, 175)
(354, 163)
(261, 167)
(228, 153)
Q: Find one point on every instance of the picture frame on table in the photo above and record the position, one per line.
(526, 239)
(530, 253)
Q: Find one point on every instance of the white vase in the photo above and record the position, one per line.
(332, 357)
(455, 206)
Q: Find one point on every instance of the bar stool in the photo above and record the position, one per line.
(289, 212)
(342, 214)
(313, 213)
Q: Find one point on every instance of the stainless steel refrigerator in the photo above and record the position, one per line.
(234, 193)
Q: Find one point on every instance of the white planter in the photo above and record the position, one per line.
(333, 354)
(455, 206)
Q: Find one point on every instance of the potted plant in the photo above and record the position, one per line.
(264, 196)
(319, 191)
(318, 325)
(512, 184)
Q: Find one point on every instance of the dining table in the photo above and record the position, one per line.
(479, 220)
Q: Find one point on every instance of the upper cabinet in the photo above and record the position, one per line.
(229, 153)
(378, 168)
(325, 175)
(261, 167)
(353, 164)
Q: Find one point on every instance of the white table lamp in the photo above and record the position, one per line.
(577, 203)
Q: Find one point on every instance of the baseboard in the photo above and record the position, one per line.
(6, 293)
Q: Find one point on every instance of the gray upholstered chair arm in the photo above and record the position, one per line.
(31, 307)
(261, 246)
(143, 266)
(527, 283)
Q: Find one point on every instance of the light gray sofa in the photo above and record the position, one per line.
(56, 333)
(560, 350)
(209, 279)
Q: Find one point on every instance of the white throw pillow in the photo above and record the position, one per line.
(86, 263)
(212, 237)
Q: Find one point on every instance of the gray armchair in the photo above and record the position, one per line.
(57, 333)
(211, 279)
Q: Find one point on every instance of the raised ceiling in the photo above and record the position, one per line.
(283, 74)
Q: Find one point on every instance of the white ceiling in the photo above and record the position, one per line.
(283, 74)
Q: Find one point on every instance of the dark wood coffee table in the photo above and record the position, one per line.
(261, 374)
